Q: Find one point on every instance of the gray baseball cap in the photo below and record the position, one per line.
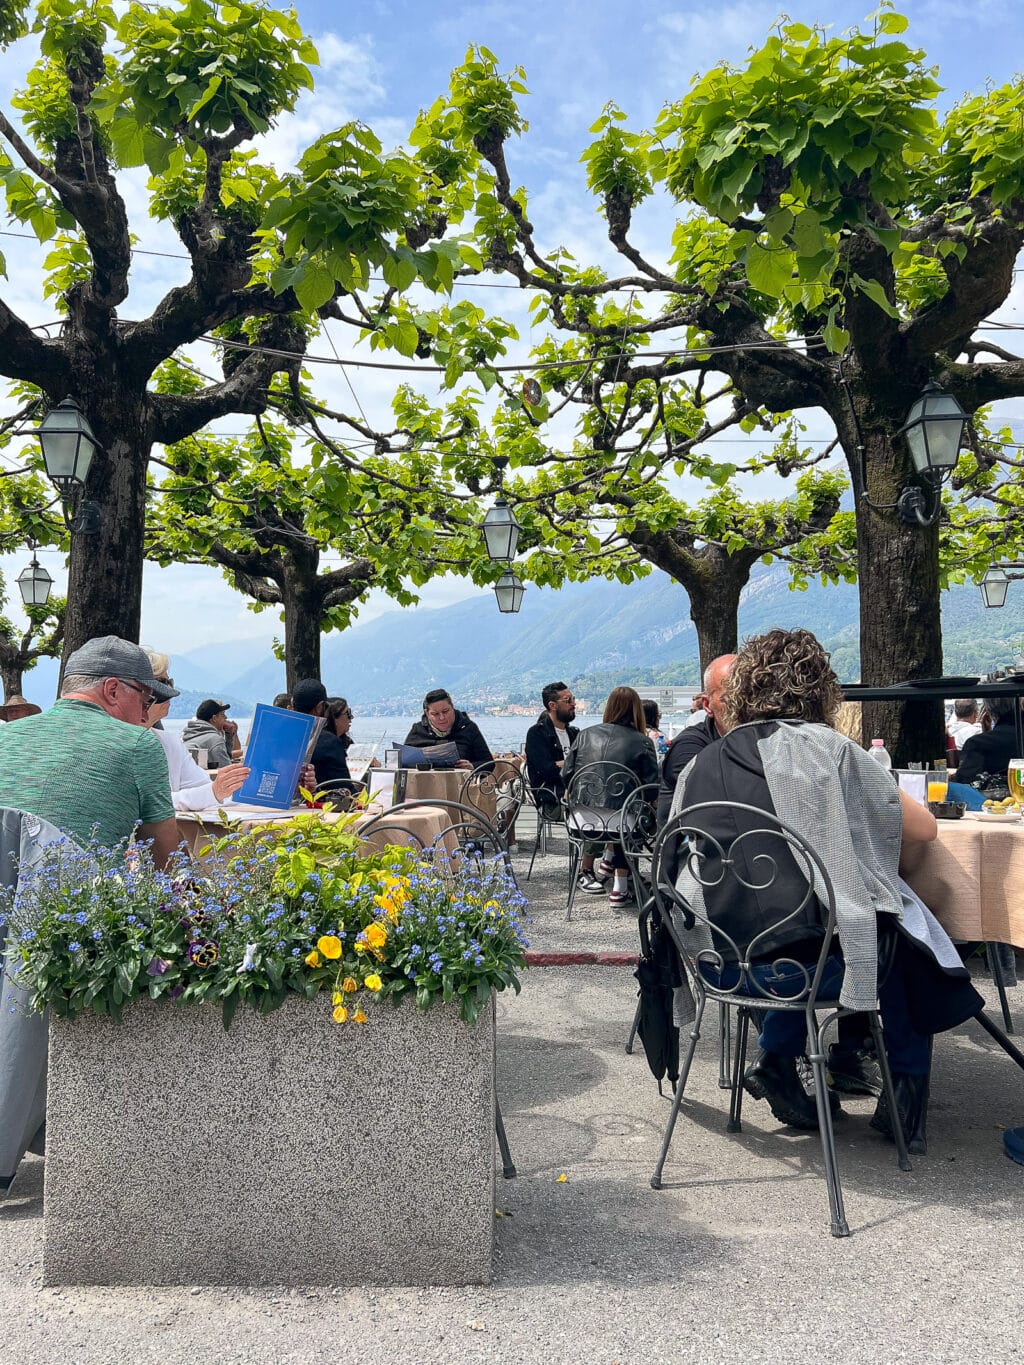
(108, 656)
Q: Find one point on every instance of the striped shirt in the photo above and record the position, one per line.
(86, 772)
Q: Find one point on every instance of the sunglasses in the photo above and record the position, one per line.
(147, 697)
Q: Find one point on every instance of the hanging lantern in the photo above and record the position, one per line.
(509, 592)
(34, 584)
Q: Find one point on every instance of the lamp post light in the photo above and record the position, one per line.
(68, 447)
(509, 591)
(34, 584)
(997, 580)
(934, 430)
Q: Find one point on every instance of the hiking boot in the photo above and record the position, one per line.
(774, 1078)
(854, 1071)
(912, 1102)
(589, 883)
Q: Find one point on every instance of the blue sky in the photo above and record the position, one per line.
(384, 59)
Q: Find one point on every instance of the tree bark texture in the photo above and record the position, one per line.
(11, 672)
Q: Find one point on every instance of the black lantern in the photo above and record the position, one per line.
(509, 592)
(68, 447)
(934, 430)
(994, 587)
(34, 584)
(501, 531)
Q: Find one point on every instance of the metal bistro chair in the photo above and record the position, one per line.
(594, 797)
(497, 786)
(483, 842)
(639, 831)
(765, 849)
(549, 811)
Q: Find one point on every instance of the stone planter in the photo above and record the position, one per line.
(288, 1150)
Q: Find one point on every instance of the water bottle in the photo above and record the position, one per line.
(880, 754)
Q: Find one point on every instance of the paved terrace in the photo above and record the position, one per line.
(732, 1260)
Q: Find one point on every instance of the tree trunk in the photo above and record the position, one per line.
(11, 672)
(900, 620)
(301, 605)
(714, 610)
(105, 574)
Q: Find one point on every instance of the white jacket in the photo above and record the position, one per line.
(191, 787)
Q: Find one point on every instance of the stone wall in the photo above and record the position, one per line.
(288, 1150)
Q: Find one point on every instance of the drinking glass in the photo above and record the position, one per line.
(1015, 778)
(938, 781)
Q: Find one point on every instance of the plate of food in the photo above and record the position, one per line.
(1005, 810)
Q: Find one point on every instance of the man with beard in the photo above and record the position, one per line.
(548, 742)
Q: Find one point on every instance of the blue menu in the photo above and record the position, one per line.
(278, 744)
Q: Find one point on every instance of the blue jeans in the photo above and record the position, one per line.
(785, 1031)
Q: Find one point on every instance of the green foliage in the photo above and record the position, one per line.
(13, 20)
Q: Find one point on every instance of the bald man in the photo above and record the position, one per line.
(689, 742)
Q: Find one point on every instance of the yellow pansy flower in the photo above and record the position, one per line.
(337, 998)
(330, 946)
(376, 935)
(340, 1014)
(362, 946)
(373, 982)
(360, 1016)
(313, 959)
(350, 984)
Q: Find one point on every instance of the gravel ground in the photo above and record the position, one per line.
(733, 1258)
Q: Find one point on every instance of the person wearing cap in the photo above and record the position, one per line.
(329, 758)
(211, 730)
(88, 765)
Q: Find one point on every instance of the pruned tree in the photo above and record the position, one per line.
(186, 89)
(838, 246)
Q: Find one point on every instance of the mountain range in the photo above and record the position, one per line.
(593, 635)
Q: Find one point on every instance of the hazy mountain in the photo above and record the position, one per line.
(591, 634)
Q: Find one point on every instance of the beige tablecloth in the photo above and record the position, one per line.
(972, 879)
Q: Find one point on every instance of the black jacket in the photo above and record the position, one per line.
(544, 753)
(989, 752)
(330, 759)
(464, 734)
(683, 750)
(612, 742)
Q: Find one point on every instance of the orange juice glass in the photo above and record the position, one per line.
(937, 789)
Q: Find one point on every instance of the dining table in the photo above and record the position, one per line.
(423, 827)
(972, 878)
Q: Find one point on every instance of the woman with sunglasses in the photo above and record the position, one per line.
(191, 787)
(330, 757)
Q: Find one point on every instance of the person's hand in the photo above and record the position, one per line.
(227, 780)
(307, 777)
(463, 763)
(559, 762)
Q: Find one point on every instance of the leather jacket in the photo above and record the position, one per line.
(611, 742)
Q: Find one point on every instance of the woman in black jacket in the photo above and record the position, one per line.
(620, 740)
(441, 724)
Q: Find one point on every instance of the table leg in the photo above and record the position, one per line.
(996, 968)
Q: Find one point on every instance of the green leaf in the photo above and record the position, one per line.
(769, 271)
(227, 1010)
(404, 337)
(873, 289)
(316, 287)
(836, 338)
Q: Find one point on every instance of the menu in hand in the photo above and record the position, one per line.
(279, 742)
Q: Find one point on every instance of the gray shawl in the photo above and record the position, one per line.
(854, 824)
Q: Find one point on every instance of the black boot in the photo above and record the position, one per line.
(912, 1102)
(774, 1078)
(854, 1070)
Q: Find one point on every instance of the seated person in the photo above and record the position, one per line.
(620, 740)
(329, 758)
(990, 752)
(780, 754)
(548, 742)
(695, 737)
(283, 700)
(212, 731)
(441, 723)
(192, 787)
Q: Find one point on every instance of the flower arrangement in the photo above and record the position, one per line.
(305, 909)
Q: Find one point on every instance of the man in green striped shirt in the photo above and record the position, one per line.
(88, 765)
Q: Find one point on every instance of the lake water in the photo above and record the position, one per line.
(504, 734)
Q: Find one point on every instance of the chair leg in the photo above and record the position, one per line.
(724, 1046)
(575, 859)
(508, 1169)
(1000, 1037)
(902, 1159)
(632, 1031)
(816, 1057)
(677, 1098)
(735, 1124)
(995, 966)
(536, 846)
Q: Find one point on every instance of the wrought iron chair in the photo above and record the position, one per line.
(594, 799)
(718, 968)
(639, 831)
(549, 811)
(338, 791)
(497, 787)
(477, 838)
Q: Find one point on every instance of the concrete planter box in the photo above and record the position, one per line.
(289, 1150)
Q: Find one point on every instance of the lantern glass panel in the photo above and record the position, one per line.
(68, 443)
(509, 592)
(994, 588)
(34, 584)
(934, 430)
(501, 532)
